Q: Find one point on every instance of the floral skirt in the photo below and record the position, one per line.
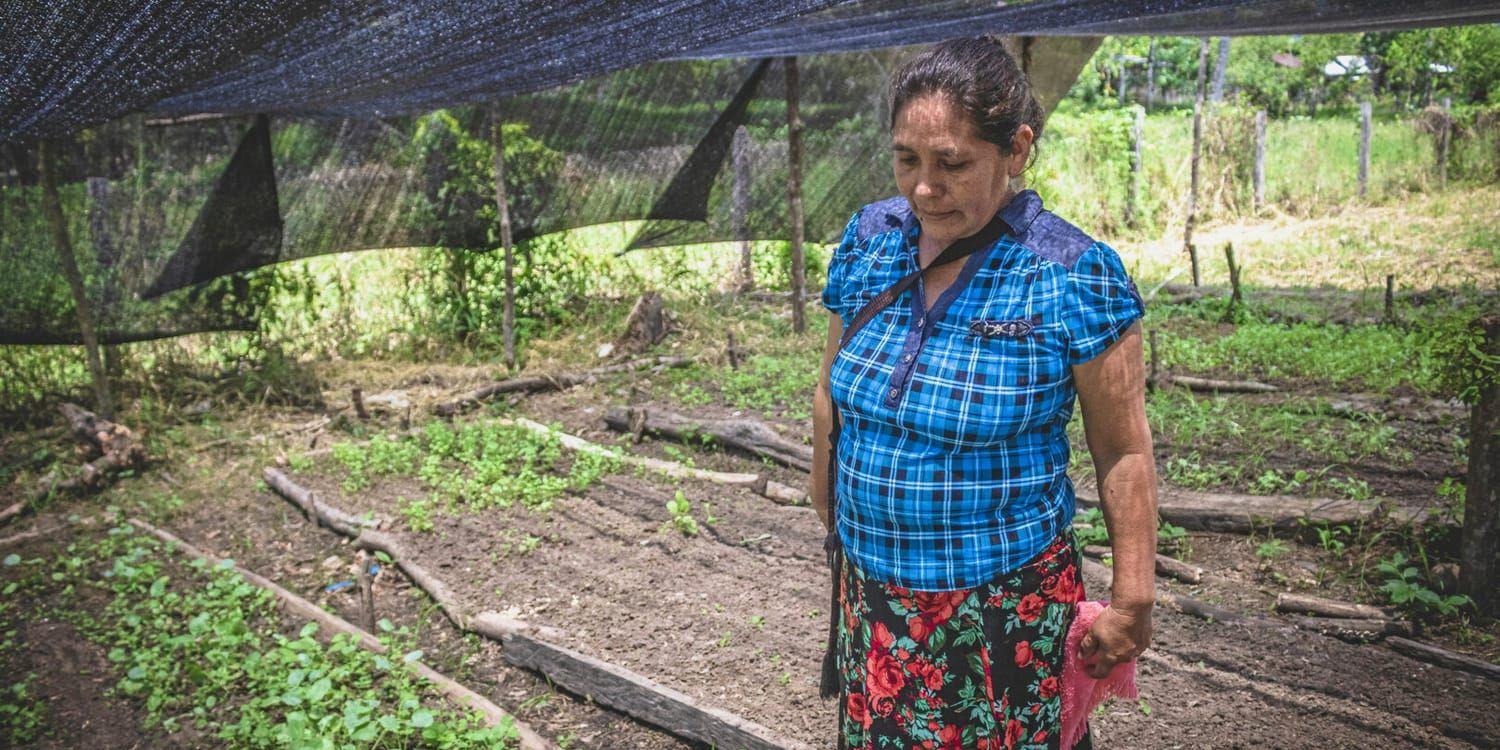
(971, 668)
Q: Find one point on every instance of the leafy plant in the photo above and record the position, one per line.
(1271, 549)
(1089, 528)
(1406, 588)
(682, 516)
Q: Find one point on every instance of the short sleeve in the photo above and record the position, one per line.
(1100, 305)
(834, 296)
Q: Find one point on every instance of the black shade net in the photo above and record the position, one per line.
(170, 206)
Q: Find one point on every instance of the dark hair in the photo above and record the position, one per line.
(978, 75)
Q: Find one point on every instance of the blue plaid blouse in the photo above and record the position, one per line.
(953, 453)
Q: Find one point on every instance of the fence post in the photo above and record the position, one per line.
(794, 192)
(1235, 298)
(1132, 188)
(52, 206)
(1364, 148)
(1259, 175)
(1444, 137)
(502, 206)
(1192, 213)
(741, 206)
(1390, 298)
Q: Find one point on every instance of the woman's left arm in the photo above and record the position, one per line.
(1112, 395)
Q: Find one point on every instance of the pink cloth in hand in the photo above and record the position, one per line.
(1081, 693)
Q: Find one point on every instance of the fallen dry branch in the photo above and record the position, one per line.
(749, 435)
(530, 647)
(316, 509)
(27, 536)
(1302, 604)
(1165, 566)
(332, 623)
(1211, 385)
(119, 448)
(760, 485)
(1187, 604)
(1443, 657)
(1232, 513)
(534, 383)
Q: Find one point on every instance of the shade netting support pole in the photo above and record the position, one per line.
(52, 205)
(740, 207)
(502, 210)
(1444, 138)
(794, 193)
(1192, 210)
(1132, 188)
(1220, 68)
(1151, 76)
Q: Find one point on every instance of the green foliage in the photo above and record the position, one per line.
(682, 516)
(1089, 528)
(205, 647)
(1271, 549)
(23, 714)
(1406, 588)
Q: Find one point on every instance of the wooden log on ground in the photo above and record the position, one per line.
(1189, 605)
(1443, 657)
(557, 382)
(315, 508)
(749, 435)
(1242, 514)
(606, 684)
(1167, 566)
(1357, 630)
(1212, 385)
(1302, 604)
(639, 697)
(460, 695)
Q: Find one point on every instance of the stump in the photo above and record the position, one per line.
(647, 324)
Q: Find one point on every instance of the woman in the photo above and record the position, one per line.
(947, 398)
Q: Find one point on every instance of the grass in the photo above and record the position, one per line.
(198, 645)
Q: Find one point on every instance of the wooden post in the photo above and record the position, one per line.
(1151, 382)
(1235, 298)
(1193, 258)
(366, 591)
(1444, 138)
(502, 206)
(1481, 532)
(740, 207)
(1364, 148)
(1220, 68)
(52, 205)
(1151, 75)
(357, 398)
(1390, 298)
(794, 193)
(1124, 81)
(1259, 175)
(1133, 187)
(1192, 213)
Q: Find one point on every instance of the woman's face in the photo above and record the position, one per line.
(954, 180)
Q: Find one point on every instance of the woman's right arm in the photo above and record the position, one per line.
(823, 423)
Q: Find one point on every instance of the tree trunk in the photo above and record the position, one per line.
(1481, 532)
